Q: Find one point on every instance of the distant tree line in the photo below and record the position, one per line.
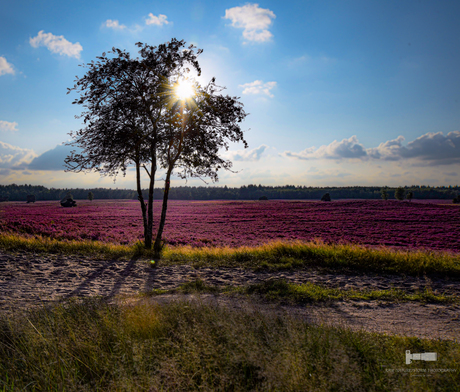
(15, 192)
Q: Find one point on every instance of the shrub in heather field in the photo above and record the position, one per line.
(399, 193)
(384, 194)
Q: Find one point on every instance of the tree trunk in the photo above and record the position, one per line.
(153, 167)
(157, 247)
(147, 237)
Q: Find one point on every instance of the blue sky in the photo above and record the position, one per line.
(339, 92)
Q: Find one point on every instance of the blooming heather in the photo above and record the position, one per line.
(234, 223)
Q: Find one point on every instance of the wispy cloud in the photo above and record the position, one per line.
(159, 20)
(8, 126)
(430, 148)
(56, 44)
(254, 20)
(317, 61)
(113, 24)
(5, 67)
(258, 88)
(247, 155)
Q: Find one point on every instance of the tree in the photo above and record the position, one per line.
(409, 196)
(196, 130)
(384, 193)
(399, 193)
(134, 117)
(90, 196)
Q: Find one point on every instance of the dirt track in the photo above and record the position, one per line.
(29, 280)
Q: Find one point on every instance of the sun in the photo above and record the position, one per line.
(184, 90)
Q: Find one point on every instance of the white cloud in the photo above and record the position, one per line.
(159, 20)
(254, 20)
(428, 149)
(14, 157)
(5, 67)
(56, 44)
(8, 126)
(258, 87)
(347, 148)
(246, 155)
(113, 24)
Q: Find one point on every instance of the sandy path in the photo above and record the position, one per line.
(27, 280)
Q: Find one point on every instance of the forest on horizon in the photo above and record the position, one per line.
(15, 192)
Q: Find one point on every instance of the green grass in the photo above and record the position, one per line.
(281, 290)
(271, 256)
(295, 254)
(94, 346)
(312, 293)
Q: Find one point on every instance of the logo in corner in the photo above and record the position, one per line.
(420, 357)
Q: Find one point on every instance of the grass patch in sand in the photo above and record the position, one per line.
(272, 256)
(296, 254)
(281, 290)
(92, 345)
(309, 292)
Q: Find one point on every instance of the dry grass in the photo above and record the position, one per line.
(91, 345)
(272, 256)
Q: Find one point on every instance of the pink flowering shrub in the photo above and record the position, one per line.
(235, 223)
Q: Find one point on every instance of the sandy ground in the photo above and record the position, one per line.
(29, 280)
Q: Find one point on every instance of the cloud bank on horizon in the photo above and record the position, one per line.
(307, 74)
(430, 149)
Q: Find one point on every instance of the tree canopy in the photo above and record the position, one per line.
(134, 116)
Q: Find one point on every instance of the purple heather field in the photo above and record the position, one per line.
(432, 225)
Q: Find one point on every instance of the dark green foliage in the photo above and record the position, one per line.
(263, 198)
(399, 193)
(409, 195)
(90, 196)
(134, 117)
(246, 192)
(384, 194)
(326, 197)
(456, 200)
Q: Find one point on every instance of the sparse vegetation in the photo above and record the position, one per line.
(271, 256)
(281, 290)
